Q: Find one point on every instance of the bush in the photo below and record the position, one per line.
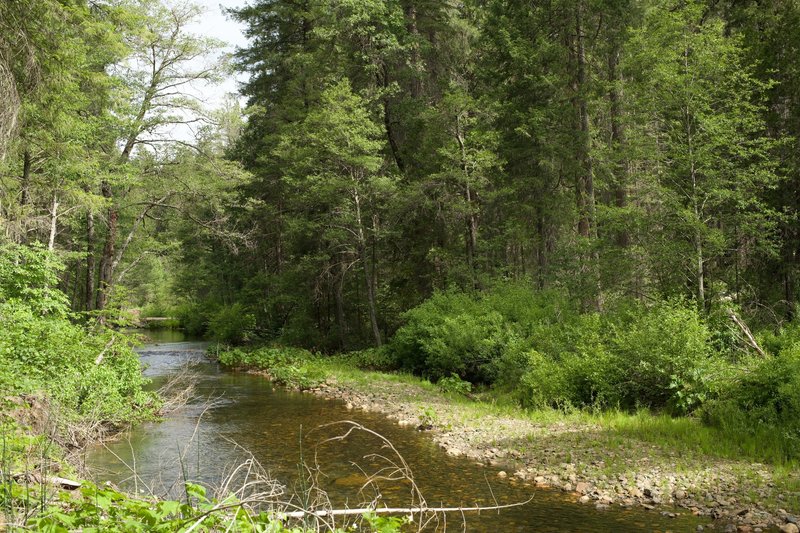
(664, 358)
(451, 333)
(454, 385)
(371, 359)
(43, 349)
(192, 317)
(294, 367)
(765, 393)
(232, 324)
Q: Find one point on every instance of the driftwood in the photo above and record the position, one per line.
(61, 482)
(751, 340)
(397, 510)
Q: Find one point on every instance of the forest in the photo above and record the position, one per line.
(582, 205)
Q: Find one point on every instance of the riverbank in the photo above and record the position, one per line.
(605, 459)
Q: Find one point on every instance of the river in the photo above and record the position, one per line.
(230, 412)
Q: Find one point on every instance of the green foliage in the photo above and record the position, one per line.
(664, 358)
(659, 356)
(370, 359)
(765, 394)
(451, 333)
(454, 385)
(192, 317)
(232, 324)
(106, 509)
(89, 372)
(293, 367)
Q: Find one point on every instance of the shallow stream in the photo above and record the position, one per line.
(232, 412)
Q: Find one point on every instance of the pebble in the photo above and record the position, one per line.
(789, 528)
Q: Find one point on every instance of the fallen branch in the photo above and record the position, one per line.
(398, 510)
(751, 340)
(102, 354)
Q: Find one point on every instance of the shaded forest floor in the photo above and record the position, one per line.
(605, 459)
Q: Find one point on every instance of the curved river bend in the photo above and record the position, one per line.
(247, 412)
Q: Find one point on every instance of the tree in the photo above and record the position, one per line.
(157, 79)
(334, 156)
(701, 116)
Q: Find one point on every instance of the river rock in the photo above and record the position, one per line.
(502, 474)
(790, 528)
(582, 487)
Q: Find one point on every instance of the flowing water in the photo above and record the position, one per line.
(231, 412)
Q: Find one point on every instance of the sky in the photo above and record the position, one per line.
(216, 24)
(213, 23)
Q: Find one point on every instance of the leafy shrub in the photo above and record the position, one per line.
(43, 349)
(232, 324)
(294, 367)
(193, 317)
(764, 394)
(664, 358)
(371, 359)
(454, 385)
(455, 333)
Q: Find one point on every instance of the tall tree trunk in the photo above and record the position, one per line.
(51, 242)
(471, 219)
(584, 186)
(416, 59)
(89, 297)
(618, 139)
(586, 178)
(107, 258)
(387, 120)
(25, 198)
(339, 298)
(25, 179)
(364, 258)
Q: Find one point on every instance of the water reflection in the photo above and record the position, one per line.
(233, 412)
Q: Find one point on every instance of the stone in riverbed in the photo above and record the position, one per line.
(583, 487)
(789, 528)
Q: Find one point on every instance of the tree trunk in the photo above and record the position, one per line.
(25, 199)
(51, 242)
(416, 60)
(364, 257)
(89, 296)
(586, 179)
(471, 220)
(107, 259)
(387, 121)
(618, 140)
(339, 298)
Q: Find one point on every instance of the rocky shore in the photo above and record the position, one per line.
(592, 464)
